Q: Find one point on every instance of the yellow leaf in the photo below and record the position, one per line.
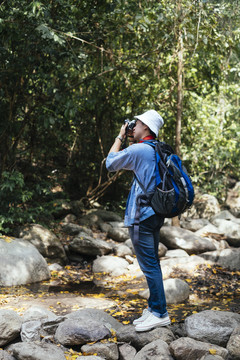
(188, 280)
(126, 322)
(213, 351)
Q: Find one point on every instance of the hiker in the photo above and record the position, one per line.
(140, 158)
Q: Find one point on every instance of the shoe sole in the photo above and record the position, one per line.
(146, 328)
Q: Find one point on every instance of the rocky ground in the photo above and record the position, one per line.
(74, 293)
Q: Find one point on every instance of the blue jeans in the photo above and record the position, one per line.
(146, 250)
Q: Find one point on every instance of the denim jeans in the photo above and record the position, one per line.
(146, 249)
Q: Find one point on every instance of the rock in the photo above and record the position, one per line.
(111, 265)
(176, 253)
(118, 234)
(212, 326)
(21, 263)
(230, 229)
(211, 357)
(126, 352)
(86, 245)
(55, 267)
(186, 264)
(178, 238)
(233, 200)
(188, 349)
(10, 326)
(129, 243)
(98, 315)
(36, 351)
(225, 215)
(45, 241)
(127, 334)
(233, 345)
(75, 332)
(129, 259)
(122, 250)
(116, 224)
(162, 249)
(38, 313)
(90, 358)
(194, 224)
(74, 229)
(91, 220)
(69, 218)
(30, 331)
(106, 216)
(176, 291)
(49, 327)
(206, 206)
(228, 258)
(4, 355)
(108, 351)
(210, 228)
(156, 350)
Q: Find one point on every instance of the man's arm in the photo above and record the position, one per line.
(118, 142)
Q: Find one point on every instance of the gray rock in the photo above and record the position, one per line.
(126, 352)
(69, 218)
(122, 250)
(188, 349)
(86, 245)
(21, 263)
(108, 351)
(97, 315)
(176, 291)
(233, 345)
(75, 332)
(178, 238)
(176, 253)
(230, 229)
(212, 326)
(4, 355)
(225, 215)
(186, 264)
(49, 327)
(129, 243)
(118, 234)
(211, 357)
(90, 358)
(210, 228)
(156, 350)
(38, 313)
(228, 258)
(233, 200)
(36, 351)
(55, 267)
(138, 340)
(116, 224)
(45, 241)
(206, 206)
(10, 326)
(110, 265)
(194, 224)
(106, 215)
(162, 249)
(74, 229)
(30, 331)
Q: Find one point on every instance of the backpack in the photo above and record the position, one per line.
(174, 191)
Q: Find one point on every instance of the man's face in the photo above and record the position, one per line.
(139, 130)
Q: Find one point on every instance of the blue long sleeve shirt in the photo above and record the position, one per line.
(140, 158)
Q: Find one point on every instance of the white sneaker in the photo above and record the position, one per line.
(151, 322)
(144, 316)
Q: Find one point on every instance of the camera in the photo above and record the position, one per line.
(130, 124)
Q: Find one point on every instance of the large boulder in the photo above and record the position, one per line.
(112, 265)
(178, 238)
(118, 234)
(156, 350)
(37, 351)
(4, 355)
(233, 200)
(75, 332)
(186, 348)
(193, 224)
(45, 241)
(21, 263)
(10, 326)
(108, 351)
(211, 326)
(233, 345)
(230, 229)
(228, 258)
(87, 245)
(204, 207)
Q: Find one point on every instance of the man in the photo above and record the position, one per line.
(140, 158)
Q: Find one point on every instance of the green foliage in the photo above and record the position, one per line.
(71, 72)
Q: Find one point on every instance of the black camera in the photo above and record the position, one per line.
(131, 124)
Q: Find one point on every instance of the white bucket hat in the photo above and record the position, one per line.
(152, 119)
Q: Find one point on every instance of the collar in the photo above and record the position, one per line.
(149, 137)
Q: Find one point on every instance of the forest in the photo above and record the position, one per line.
(73, 71)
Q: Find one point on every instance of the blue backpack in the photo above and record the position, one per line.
(174, 191)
